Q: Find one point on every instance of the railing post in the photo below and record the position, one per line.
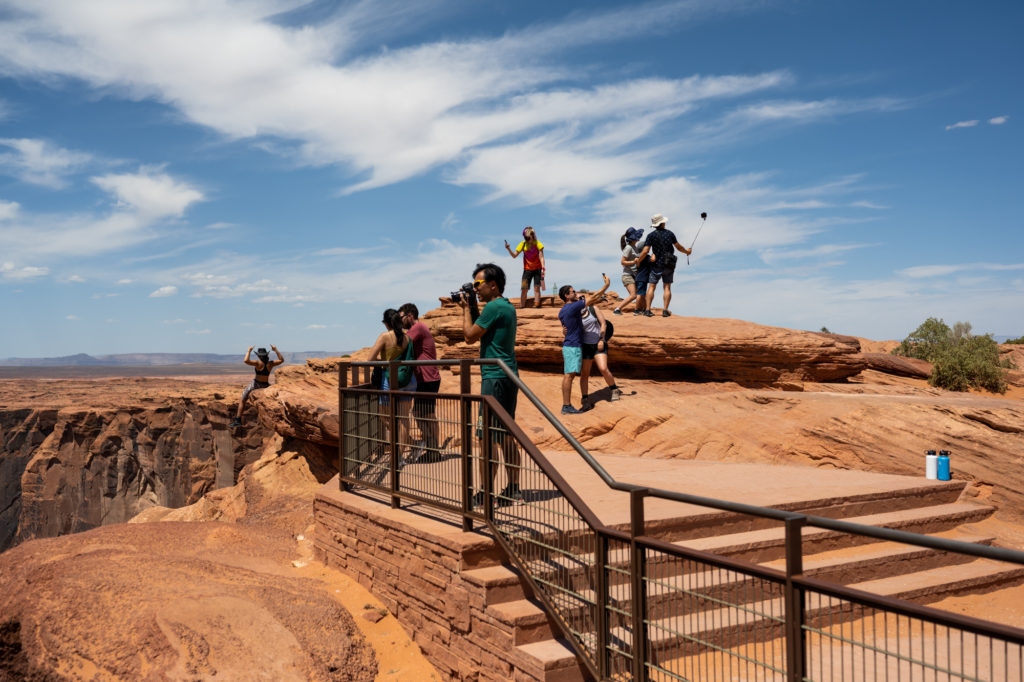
(343, 369)
(393, 421)
(638, 569)
(601, 620)
(794, 597)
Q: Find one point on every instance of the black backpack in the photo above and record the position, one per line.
(609, 328)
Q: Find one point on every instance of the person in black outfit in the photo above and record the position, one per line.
(262, 379)
(660, 242)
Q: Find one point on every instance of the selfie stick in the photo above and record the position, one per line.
(703, 220)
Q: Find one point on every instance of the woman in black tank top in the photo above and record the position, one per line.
(262, 368)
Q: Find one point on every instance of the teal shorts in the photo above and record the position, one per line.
(573, 357)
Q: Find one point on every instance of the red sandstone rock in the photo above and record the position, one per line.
(719, 349)
(898, 365)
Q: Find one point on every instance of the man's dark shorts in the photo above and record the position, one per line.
(534, 276)
(505, 392)
(642, 275)
(665, 276)
(425, 405)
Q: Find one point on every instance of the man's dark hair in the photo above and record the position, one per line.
(564, 292)
(409, 309)
(492, 273)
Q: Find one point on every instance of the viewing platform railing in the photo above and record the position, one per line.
(636, 607)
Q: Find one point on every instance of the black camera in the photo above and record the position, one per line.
(466, 290)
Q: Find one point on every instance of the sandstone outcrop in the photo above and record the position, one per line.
(898, 365)
(75, 455)
(676, 347)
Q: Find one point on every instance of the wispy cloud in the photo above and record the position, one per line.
(998, 120)
(962, 124)
(197, 331)
(8, 209)
(771, 256)
(168, 290)
(71, 317)
(10, 271)
(40, 162)
(924, 271)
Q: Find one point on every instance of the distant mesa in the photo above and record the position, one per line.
(153, 359)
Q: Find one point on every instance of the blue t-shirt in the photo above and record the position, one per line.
(661, 242)
(569, 315)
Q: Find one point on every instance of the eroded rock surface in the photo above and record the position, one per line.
(79, 454)
(677, 347)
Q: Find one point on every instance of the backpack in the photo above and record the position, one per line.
(405, 372)
(609, 328)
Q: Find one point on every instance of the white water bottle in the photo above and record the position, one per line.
(931, 465)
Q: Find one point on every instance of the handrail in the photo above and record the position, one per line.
(892, 535)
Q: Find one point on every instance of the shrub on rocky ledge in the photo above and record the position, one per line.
(960, 360)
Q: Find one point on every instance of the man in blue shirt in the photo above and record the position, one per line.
(572, 347)
(661, 242)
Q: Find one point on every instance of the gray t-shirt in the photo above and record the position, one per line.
(591, 328)
(629, 253)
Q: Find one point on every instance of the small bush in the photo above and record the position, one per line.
(960, 360)
(1019, 339)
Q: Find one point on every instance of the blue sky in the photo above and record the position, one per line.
(201, 176)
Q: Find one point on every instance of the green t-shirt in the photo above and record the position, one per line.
(498, 318)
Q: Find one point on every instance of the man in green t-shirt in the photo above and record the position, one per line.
(495, 329)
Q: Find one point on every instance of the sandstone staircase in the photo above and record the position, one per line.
(917, 574)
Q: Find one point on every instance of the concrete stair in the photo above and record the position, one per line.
(889, 569)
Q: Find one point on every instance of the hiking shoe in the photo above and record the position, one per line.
(616, 394)
(665, 313)
(617, 312)
(235, 423)
(569, 409)
(637, 312)
(647, 313)
(511, 495)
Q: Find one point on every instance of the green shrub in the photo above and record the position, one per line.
(960, 360)
(1019, 339)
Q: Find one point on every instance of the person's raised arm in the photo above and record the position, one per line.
(280, 358)
(683, 249)
(596, 296)
(514, 254)
(247, 360)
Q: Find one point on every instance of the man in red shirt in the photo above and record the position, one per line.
(428, 379)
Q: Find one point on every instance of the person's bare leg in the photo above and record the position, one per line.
(650, 296)
(631, 288)
(522, 298)
(585, 381)
(667, 295)
(567, 389)
(601, 360)
(536, 291)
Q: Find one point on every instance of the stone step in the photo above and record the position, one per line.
(675, 636)
(767, 545)
(716, 523)
(550, 660)
(499, 583)
(527, 619)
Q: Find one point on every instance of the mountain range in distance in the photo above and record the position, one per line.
(155, 359)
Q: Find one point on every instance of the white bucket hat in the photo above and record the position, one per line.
(658, 219)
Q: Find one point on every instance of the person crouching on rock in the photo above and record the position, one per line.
(262, 380)
(533, 264)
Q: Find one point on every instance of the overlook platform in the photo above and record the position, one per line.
(473, 616)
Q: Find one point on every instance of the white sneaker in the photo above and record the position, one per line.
(616, 394)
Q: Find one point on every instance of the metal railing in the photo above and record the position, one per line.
(638, 607)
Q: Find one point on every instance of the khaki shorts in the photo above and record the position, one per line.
(628, 278)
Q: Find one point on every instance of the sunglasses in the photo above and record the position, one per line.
(478, 282)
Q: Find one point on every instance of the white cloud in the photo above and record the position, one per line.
(9, 271)
(77, 279)
(197, 331)
(163, 291)
(40, 162)
(71, 317)
(772, 256)
(925, 271)
(962, 124)
(125, 280)
(391, 114)
(150, 193)
(316, 326)
(868, 204)
(449, 222)
(9, 209)
(998, 120)
(219, 226)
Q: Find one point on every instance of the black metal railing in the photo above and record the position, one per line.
(638, 607)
